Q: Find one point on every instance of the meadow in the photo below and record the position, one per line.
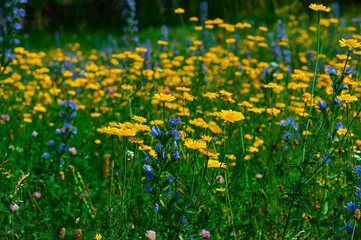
(214, 130)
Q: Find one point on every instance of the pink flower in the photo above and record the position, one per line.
(258, 176)
(5, 117)
(221, 179)
(37, 194)
(14, 207)
(35, 133)
(32, 111)
(111, 92)
(72, 150)
(150, 234)
(62, 129)
(205, 234)
(167, 91)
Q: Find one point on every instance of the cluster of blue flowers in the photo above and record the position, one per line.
(12, 15)
(67, 130)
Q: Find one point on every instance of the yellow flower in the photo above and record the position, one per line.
(98, 236)
(164, 97)
(211, 95)
(179, 10)
(347, 98)
(195, 144)
(209, 152)
(139, 119)
(231, 116)
(350, 43)
(319, 7)
(216, 164)
(97, 141)
(271, 85)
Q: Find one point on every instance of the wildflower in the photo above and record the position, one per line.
(205, 234)
(195, 144)
(37, 194)
(156, 208)
(164, 97)
(287, 136)
(287, 149)
(147, 188)
(72, 150)
(184, 219)
(358, 170)
(339, 125)
(347, 98)
(173, 121)
(46, 155)
(179, 10)
(35, 133)
(155, 131)
(170, 178)
(98, 236)
(349, 228)
(325, 159)
(150, 234)
(221, 179)
(231, 116)
(259, 176)
(348, 70)
(350, 43)
(176, 196)
(352, 206)
(319, 7)
(14, 207)
(330, 70)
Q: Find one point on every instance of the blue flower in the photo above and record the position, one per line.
(63, 115)
(339, 126)
(51, 143)
(348, 70)
(283, 123)
(358, 193)
(177, 135)
(325, 159)
(173, 121)
(331, 70)
(72, 105)
(297, 135)
(295, 126)
(349, 228)
(74, 130)
(148, 189)
(169, 191)
(358, 170)
(57, 131)
(150, 176)
(214, 139)
(352, 206)
(62, 103)
(63, 146)
(146, 158)
(287, 149)
(290, 120)
(190, 238)
(287, 136)
(156, 208)
(322, 105)
(147, 168)
(184, 219)
(73, 115)
(46, 155)
(176, 196)
(155, 131)
(170, 178)
(175, 155)
(67, 124)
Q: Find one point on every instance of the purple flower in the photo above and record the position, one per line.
(37, 194)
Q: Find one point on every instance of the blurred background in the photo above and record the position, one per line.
(101, 17)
